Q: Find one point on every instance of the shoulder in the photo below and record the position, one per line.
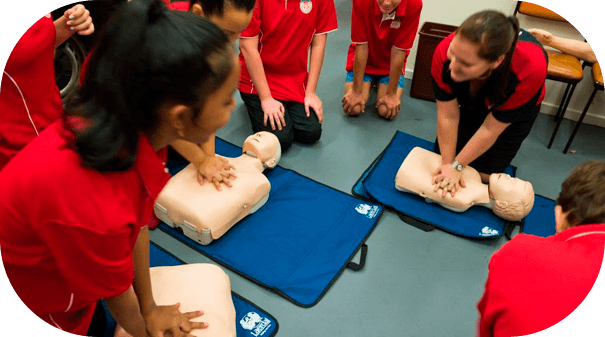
(529, 58)
(440, 53)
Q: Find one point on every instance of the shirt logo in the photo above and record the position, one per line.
(369, 211)
(396, 23)
(255, 323)
(487, 231)
(306, 6)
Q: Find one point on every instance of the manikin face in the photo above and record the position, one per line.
(465, 63)
(387, 6)
(265, 146)
(503, 187)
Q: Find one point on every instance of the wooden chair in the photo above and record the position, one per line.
(561, 67)
(597, 78)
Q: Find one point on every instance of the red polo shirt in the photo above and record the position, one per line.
(29, 97)
(536, 282)
(382, 32)
(67, 232)
(285, 33)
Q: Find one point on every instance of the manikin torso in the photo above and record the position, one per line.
(415, 175)
(510, 198)
(203, 212)
(199, 286)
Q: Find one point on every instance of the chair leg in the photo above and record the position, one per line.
(561, 116)
(563, 100)
(575, 130)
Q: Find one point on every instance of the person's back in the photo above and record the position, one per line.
(536, 282)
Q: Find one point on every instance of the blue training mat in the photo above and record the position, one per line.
(299, 242)
(541, 220)
(266, 325)
(378, 183)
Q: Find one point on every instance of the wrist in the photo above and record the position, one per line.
(457, 165)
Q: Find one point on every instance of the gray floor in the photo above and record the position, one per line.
(414, 283)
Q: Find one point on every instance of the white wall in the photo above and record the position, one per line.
(453, 12)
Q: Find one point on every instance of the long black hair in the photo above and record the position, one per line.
(216, 7)
(147, 56)
(496, 35)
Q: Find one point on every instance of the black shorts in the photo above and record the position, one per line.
(98, 325)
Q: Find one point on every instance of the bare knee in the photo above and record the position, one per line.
(382, 110)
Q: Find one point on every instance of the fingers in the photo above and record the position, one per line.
(265, 117)
(199, 325)
(462, 182)
(272, 122)
(282, 112)
(79, 19)
(307, 109)
(90, 30)
(75, 12)
(320, 114)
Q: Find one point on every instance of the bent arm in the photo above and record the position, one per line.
(398, 57)
(482, 140)
(359, 67)
(125, 310)
(579, 49)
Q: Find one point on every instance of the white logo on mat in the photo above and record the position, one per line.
(367, 210)
(254, 322)
(487, 231)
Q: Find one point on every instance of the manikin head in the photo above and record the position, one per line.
(264, 146)
(513, 198)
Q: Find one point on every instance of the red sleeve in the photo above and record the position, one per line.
(326, 18)
(359, 28)
(95, 265)
(531, 74)
(485, 323)
(442, 90)
(407, 34)
(253, 28)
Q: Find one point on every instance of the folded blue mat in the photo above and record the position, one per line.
(378, 184)
(299, 242)
(266, 325)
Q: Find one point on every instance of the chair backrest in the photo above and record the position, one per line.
(530, 9)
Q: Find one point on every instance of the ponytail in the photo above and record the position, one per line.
(147, 56)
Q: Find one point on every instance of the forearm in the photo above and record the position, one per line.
(448, 118)
(318, 49)
(398, 58)
(579, 49)
(125, 310)
(195, 153)
(208, 147)
(254, 63)
(481, 141)
(359, 66)
(142, 278)
(63, 31)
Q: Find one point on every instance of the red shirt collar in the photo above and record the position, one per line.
(580, 230)
(150, 166)
(399, 11)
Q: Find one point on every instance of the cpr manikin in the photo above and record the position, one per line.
(510, 198)
(199, 286)
(203, 212)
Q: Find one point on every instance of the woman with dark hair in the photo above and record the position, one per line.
(488, 79)
(76, 233)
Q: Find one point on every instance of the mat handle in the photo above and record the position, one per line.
(362, 259)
